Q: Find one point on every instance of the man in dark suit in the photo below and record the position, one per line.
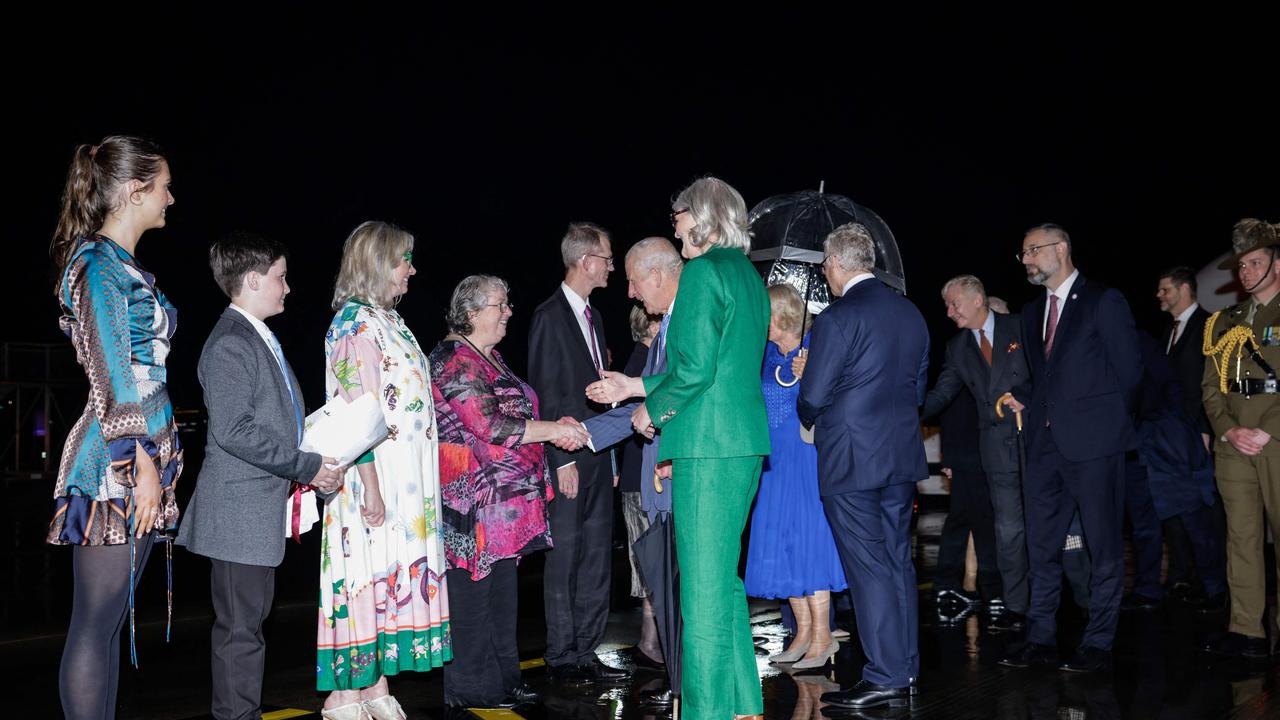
(1082, 349)
(987, 359)
(1183, 338)
(653, 267)
(863, 386)
(968, 513)
(1202, 534)
(566, 353)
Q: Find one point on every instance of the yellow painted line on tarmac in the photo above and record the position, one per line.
(492, 714)
(285, 714)
(537, 662)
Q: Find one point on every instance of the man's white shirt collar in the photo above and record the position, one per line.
(854, 281)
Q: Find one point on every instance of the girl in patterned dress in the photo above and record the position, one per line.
(115, 490)
(383, 604)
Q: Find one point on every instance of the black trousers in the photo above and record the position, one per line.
(486, 660)
(970, 512)
(1055, 488)
(242, 596)
(576, 575)
(1198, 537)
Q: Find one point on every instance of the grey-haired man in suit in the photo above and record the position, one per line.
(252, 460)
(986, 358)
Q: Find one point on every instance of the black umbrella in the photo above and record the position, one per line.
(787, 233)
(655, 551)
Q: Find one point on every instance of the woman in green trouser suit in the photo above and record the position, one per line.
(714, 430)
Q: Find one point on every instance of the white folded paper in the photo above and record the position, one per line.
(340, 430)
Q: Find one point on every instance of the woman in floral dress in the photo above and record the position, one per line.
(383, 603)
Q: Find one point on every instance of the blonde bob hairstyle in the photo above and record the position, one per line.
(370, 256)
(719, 214)
(787, 308)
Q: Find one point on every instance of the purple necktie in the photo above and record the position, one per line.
(591, 331)
(1053, 325)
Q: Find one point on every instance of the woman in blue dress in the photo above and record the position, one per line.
(792, 553)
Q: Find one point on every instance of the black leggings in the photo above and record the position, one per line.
(90, 670)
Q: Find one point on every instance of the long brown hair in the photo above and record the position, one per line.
(93, 186)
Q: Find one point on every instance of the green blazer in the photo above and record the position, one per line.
(708, 403)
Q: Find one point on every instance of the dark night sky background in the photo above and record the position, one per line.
(1146, 137)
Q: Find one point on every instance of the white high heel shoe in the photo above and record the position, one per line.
(351, 711)
(385, 708)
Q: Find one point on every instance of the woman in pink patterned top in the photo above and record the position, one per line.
(494, 487)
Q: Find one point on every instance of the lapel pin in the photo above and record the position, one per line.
(1074, 296)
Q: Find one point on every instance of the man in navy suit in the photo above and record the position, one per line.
(653, 267)
(987, 358)
(1082, 347)
(863, 386)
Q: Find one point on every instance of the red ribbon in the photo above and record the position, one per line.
(296, 517)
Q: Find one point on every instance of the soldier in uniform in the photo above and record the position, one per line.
(1242, 400)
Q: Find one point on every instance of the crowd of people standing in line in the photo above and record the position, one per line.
(726, 394)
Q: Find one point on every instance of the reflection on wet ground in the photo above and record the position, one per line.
(1159, 671)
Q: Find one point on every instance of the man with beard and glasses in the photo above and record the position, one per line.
(1082, 349)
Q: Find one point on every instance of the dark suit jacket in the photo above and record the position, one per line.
(1087, 387)
(960, 435)
(614, 426)
(560, 368)
(251, 455)
(965, 368)
(1187, 360)
(863, 387)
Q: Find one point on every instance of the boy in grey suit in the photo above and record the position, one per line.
(236, 516)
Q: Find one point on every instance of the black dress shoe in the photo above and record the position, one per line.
(1033, 655)
(957, 598)
(597, 670)
(568, 676)
(1007, 620)
(520, 695)
(1237, 645)
(1087, 659)
(658, 699)
(1135, 601)
(868, 695)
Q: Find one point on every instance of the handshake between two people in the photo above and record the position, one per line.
(569, 434)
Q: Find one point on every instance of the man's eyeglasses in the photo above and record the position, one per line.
(1033, 250)
(676, 213)
(608, 259)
